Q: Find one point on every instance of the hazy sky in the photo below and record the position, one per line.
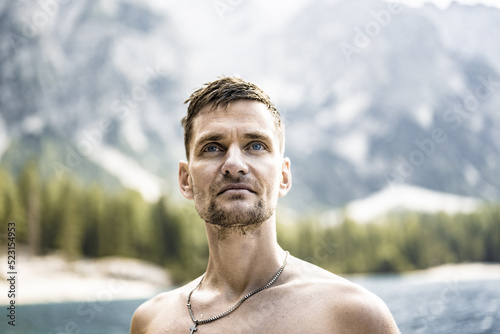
(445, 3)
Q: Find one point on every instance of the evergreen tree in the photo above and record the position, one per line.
(93, 216)
(29, 186)
(11, 207)
(69, 235)
(51, 214)
(166, 237)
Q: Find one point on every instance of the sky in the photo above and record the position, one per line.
(443, 4)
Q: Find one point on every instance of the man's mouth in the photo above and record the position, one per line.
(236, 188)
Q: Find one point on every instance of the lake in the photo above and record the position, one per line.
(417, 306)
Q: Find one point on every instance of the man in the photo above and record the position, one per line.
(235, 172)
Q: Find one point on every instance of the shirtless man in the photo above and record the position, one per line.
(235, 172)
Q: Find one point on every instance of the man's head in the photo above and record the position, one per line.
(235, 170)
(220, 93)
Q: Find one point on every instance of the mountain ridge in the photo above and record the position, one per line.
(115, 76)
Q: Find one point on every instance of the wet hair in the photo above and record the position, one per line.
(220, 93)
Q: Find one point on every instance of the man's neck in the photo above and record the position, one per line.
(242, 262)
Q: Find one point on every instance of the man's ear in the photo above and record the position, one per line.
(286, 177)
(185, 180)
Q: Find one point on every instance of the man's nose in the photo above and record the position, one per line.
(235, 162)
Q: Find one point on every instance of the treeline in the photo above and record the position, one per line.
(85, 220)
(60, 214)
(404, 241)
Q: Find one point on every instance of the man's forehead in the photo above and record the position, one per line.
(240, 114)
(239, 108)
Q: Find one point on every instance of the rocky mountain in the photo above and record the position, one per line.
(373, 93)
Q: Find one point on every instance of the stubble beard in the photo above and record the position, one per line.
(235, 219)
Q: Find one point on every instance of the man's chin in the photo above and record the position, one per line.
(241, 224)
(237, 213)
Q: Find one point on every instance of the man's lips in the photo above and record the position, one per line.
(235, 186)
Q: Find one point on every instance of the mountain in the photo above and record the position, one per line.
(394, 111)
(404, 198)
(373, 93)
(75, 87)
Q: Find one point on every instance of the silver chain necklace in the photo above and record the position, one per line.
(200, 322)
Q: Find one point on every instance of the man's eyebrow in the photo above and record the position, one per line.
(209, 137)
(257, 135)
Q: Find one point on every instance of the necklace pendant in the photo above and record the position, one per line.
(193, 328)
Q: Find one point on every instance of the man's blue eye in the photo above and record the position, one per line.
(211, 148)
(257, 146)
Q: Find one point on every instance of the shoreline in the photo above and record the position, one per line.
(53, 279)
(457, 272)
(460, 272)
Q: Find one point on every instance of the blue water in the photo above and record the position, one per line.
(444, 307)
(447, 307)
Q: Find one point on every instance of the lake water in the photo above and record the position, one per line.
(439, 307)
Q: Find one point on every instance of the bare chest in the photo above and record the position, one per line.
(261, 315)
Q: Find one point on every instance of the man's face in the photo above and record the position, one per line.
(236, 171)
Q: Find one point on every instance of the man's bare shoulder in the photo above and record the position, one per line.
(163, 306)
(305, 276)
(352, 308)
